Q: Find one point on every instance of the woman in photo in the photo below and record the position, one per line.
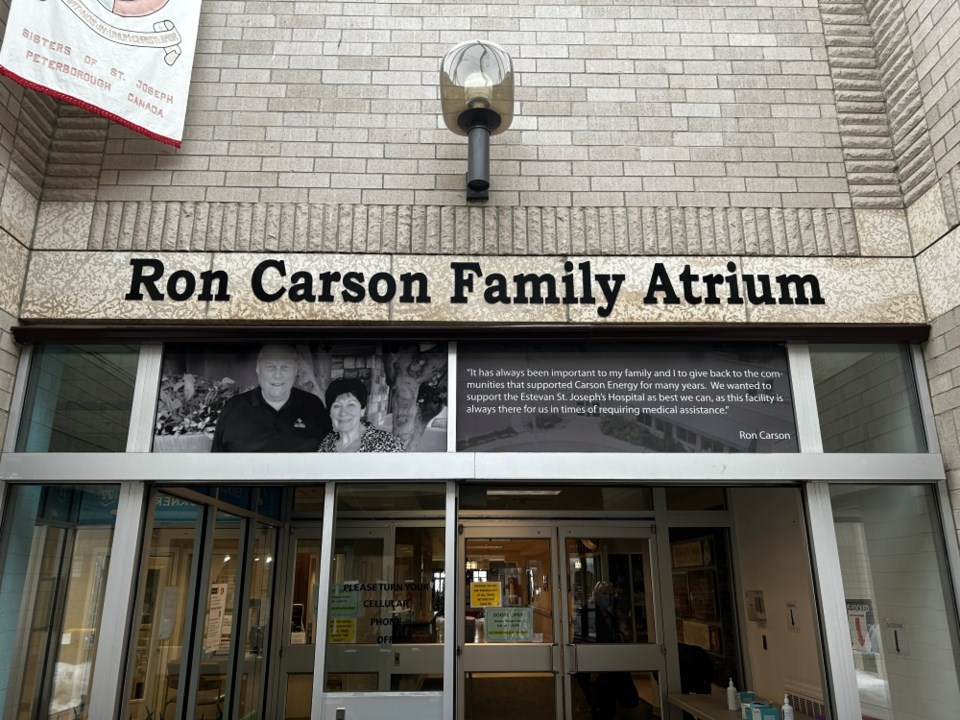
(347, 402)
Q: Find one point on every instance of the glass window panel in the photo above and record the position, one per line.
(254, 662)
(612, 590)
(166, 610)
(696, 498)
(867, 398)
(51, 596)
(594, 695)
(237, 496)
(899, 604)
(519, 570)
(269, 502)
(78, 398)
(705, 608)
(490, 696)
(299, 696)
(386, 590)
(220, 620)
(308, 501)
(374, 500)
(531, 498)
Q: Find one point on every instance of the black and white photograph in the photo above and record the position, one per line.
(303, 397)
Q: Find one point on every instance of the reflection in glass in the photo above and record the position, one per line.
(78, 398)
(611, 696)
(156, 686)
(867, 398)
(386, 593)
(55, 554)
(704, 603)
(306, 577)
(254, 668)
(611, 589)
(220, 619)
(298, 635)
(899, 604)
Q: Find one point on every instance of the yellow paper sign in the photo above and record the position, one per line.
(343, 630)
(485, 594)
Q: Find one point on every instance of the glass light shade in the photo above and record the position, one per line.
(477, 74)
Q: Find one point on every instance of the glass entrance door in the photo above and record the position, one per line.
(558, 621)
(299, 632)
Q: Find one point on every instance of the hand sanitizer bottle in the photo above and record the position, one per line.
(786, 710)
(732, 697)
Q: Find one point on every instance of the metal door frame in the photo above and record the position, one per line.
(283, 614)
(561, 655)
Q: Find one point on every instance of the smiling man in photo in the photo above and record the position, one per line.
(275, 416)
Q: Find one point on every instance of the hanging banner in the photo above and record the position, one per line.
(128, 60)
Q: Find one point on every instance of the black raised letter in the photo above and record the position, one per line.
(140, 279)
(463, 283)
(256, 282)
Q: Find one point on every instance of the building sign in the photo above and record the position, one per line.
(128, 60)
(665, 398)
(308, 397)
(573, 283)
(124, 286)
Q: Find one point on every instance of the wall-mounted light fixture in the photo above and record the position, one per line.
(476, 96)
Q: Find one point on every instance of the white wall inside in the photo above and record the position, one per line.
(771, 549)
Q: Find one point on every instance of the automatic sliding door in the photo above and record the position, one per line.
(559, 622)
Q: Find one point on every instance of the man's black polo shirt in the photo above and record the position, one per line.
(249, 424)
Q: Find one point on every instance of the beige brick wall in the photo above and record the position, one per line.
(933, 27)
(620, 105)
(942, 357)
(26, 129)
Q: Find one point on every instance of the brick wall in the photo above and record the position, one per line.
(670, 105)
(26, 128)
(934, 27)
(942, 356)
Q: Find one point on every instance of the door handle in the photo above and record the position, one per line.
(570, 659)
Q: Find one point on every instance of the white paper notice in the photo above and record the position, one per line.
(215, 613)
(129, 60)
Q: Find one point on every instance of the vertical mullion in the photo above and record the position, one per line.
(190, 658)
(449, 598)
(804, 398)
(145, 392)
(323, 599)
(922, 388)
(119, 600)
(16, 400)
(241, 603)
(834, 625)
(667, 613)
(451, 403)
